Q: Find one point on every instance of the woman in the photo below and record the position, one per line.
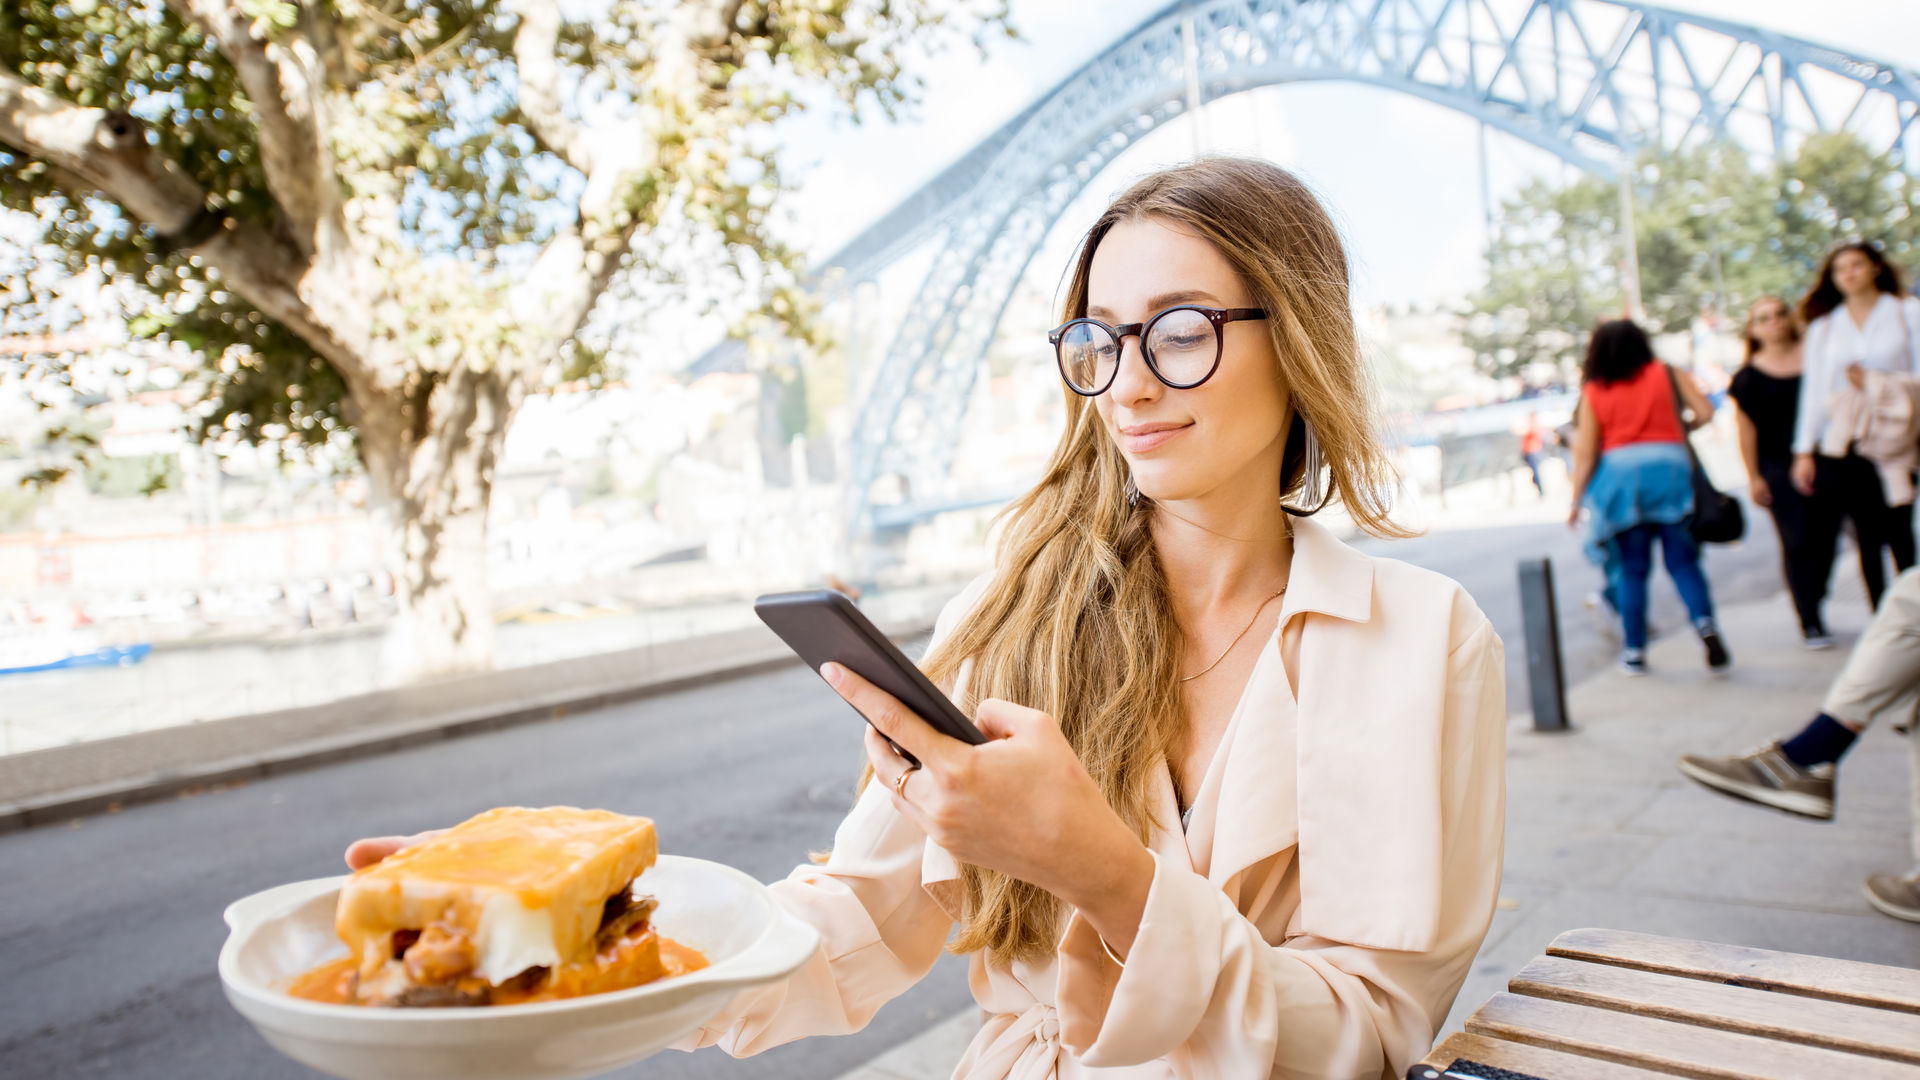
(1632, 471)
(1206, 837)
(1766, 397)
(1858, 319)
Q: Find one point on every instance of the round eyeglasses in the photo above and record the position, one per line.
(1181, 346)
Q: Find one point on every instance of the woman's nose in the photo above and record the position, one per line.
(1134, 381)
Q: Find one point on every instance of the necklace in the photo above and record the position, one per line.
(1237, 637)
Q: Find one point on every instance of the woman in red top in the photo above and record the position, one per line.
(1632, 473)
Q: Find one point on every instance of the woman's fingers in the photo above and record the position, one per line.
(998, 719)
(888, 715)
(364, 853)
(888, 768)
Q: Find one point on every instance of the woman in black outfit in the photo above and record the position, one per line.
(1766, 396)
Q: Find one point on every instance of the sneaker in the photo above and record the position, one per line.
(1767, 776)
(1633, 663)
(1894, 895)
(1816, 639)
(1717, 659)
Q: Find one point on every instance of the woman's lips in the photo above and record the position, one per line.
(1151, 440)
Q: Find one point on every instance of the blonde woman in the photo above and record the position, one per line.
(1240, 809)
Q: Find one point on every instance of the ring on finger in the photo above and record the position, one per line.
(900, 782)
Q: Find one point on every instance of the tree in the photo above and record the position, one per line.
(1713, 234)
(388, 220)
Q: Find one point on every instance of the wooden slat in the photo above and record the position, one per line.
(1877, 985)
(1534, 1060)
(1666, 1046)
(1841, 1026)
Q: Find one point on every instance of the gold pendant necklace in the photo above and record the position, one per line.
(1237, 637)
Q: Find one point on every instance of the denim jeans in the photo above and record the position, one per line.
(1634, 550)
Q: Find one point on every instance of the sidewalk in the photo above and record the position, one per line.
(1603, 831)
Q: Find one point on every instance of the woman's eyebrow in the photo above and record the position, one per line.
(1162, 302)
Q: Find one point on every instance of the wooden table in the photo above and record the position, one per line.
(1607, 1004)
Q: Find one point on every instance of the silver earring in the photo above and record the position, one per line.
(1131, 490)
(1312, 492)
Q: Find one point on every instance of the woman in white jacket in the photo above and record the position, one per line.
(1240, 810)
(1858, 318)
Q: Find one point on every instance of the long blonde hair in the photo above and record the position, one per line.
(1077, 620)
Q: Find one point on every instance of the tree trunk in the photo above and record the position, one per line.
(430, 448)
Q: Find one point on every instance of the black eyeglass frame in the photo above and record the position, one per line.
(1218, 317)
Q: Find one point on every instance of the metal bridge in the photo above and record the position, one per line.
(1592, 81)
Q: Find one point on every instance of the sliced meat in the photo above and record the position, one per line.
(627, 919)
(442, 955)
(445, 995)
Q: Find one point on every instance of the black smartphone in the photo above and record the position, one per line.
(821, 625)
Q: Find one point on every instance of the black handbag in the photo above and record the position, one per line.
(1717, 516)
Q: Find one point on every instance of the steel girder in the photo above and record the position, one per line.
(1588, 80)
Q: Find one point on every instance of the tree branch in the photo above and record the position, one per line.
(107, 152)
(579, 261)
(283, 84)
(539, 72)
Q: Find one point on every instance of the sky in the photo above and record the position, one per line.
(1407, 198)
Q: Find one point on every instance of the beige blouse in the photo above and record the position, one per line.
(1318, 915)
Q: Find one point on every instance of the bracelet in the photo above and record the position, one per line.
(1108, 949)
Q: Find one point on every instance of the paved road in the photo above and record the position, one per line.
(109, 926)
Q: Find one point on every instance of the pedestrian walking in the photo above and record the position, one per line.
(1766, 398)
(1798, 773)
(1860, 325)
(1533, 446)
(1634, 477)
(1205, 836)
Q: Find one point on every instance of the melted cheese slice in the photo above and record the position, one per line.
(526, 886)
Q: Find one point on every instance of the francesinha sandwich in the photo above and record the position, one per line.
(510, 906)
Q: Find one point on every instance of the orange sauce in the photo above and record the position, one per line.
(632, 961)
(329, 984)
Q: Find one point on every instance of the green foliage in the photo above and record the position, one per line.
(138, 57)
(1713, 232)
(125, 477)
(439, 168)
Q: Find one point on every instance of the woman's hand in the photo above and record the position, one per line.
(1021, 803)
(1857, 375)
(1803, 472)
(1762, 494)
(364, 853)
(1573, 515)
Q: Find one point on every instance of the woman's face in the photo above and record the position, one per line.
(1853, 273)
(1770, 322)
(1185, 444)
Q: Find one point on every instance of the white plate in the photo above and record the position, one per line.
(731, 918)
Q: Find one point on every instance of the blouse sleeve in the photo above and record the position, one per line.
(880, 930)
(1201, 980)
(1816, 379)
(880, 933)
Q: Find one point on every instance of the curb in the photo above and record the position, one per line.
(110, 797)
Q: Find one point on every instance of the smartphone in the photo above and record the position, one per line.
(821, 625)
